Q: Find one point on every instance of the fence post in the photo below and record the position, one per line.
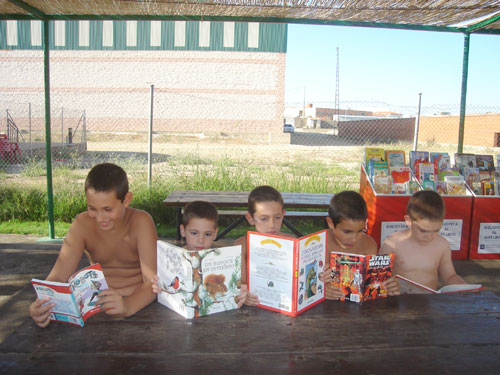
(29, 123)
(84, 134)
(417, 122)
(150, 150)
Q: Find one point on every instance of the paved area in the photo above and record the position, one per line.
(25, 257)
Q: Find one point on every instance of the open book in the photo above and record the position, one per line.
(284, 271)
(408, 286)
(361, 277)
(75, 300)
(196, 283)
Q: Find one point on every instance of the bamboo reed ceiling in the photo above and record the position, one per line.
(453, 15)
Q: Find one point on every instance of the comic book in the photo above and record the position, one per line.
(284, 271)
(395, 158)
(75, 300)
(408, 286)
(361, 277)
(198, 282)
(464, 160)
(422, 156)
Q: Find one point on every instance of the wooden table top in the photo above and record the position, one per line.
(240, 198)
(455, 333)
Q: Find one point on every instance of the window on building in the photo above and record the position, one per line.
(107, 33)
(12, 33)
(36, 32)
(180, 34)
(228, 34)
(204, 34)
(131, 33)
(253, 35)
(59, 33)
(155, 38)
(83, 33)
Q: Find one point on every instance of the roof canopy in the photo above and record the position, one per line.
(478, 16)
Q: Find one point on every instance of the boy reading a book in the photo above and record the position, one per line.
(199, 228)
(266, 213)
(422, 254)
(122, 239)
(346, 221)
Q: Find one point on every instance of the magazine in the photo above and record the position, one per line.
(284, 271)
(408, 286)
(361, 277)
(75, 300)
(198, 282)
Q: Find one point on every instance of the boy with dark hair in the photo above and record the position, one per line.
(199, 228)
(122, 239)
(346, 221)
(266, 213)
(422, 254)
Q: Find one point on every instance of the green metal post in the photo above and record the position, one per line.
(463, 96)
(48, 146)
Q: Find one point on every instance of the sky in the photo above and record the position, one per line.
(383, 67)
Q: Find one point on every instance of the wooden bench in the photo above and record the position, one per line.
(232, 199)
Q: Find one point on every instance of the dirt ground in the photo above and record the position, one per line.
(23, 257)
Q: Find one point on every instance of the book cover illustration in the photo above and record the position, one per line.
(198, 283)
(360, 277)
(75, 300)
(455, 185)
(407, 286)
(375, 154)
(425, 172)
(487, 187)
(400, 180)
(485, 162)
(395, 158)
(464, 160)
(421, 156)
(284, 271)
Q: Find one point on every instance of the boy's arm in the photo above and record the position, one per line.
(143, 295)
(446, 269)
(66, 265)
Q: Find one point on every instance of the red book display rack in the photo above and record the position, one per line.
(386, 215)
(485, 228)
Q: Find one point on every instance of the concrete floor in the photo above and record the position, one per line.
(25, 257)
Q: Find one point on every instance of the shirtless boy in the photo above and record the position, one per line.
(422, 255)
(266, 213)
(346, 221)
(122, 239)
(199, 228)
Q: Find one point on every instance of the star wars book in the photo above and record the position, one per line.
(361, 277)
(284, 271)
(198, 282)
(407, 286)
(75, 300)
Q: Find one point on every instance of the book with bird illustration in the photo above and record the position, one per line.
(198, 282)
(284, 271)
(75, 300)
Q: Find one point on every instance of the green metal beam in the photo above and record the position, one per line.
(480, 25)
(48, 141)
(37, 13)
(463, 96)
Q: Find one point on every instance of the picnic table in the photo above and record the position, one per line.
(456, 333)
(239, 199)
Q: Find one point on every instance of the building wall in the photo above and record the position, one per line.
(200, 86)
(479, 130)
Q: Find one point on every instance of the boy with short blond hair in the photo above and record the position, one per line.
(266, 213)
(122, 239)
(346, 221)
(422, 254)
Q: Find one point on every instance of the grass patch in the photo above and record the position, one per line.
(38, 228)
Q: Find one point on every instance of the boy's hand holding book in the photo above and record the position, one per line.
(331, 291)
(40, 311)
(112, 303)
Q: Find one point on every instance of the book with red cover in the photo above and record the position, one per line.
(284, 271)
